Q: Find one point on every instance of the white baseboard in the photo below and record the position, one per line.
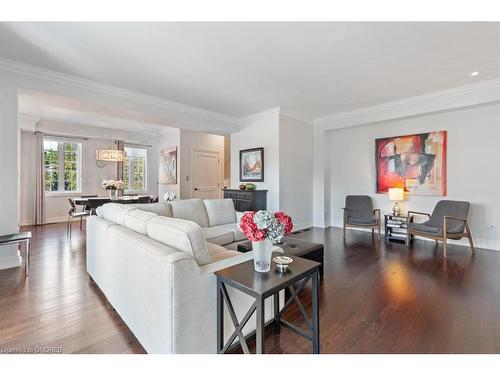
(478, 242)
(301, 226)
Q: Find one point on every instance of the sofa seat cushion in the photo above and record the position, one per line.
(190, 209)
(114, 212)
(218, 235)
(218, 252)
(234, 227)
(220, 211)
(161, 209)
(137, 220)
(183, 235)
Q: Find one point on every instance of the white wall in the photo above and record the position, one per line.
(260, 130)
(169, 138)
(288, 161)
(472, 165)
(9, 255)
(56, 205)
(189, 142)
(295, 172)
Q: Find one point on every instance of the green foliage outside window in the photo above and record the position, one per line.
(61, 165)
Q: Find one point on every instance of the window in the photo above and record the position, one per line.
(135, 169)
(62, 165)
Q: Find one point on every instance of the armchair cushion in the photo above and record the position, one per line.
(449, 208)
(359, 210)
(361, 221)
(427, 229)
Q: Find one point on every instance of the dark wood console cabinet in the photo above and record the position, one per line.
(247, 200)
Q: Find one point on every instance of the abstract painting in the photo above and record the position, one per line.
(414, 162)
(252, 165)
(168, 166)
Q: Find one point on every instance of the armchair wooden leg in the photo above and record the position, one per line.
(469, 236)
(343, 230)
(379, 231)
(445, 240)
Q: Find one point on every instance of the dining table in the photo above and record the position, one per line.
(84, 201)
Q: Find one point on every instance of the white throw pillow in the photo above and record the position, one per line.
(220, 211)
(137, 220)
(114, 212)
(182, 235)
(190, 209)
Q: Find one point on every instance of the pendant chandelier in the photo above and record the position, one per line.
(111, 155)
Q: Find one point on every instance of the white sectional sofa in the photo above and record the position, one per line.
(158, 271)
(217, 217)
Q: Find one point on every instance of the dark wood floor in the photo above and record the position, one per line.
(375, 297)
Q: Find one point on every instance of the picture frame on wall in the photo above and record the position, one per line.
(414, 162)
(252, 165)
(168, 166)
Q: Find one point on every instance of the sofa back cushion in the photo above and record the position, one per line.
(161, 209)
(220, 211)
(190, 209)
(183, 235)
(114, 212)
(137, 220)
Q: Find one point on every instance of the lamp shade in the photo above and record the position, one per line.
(396, 194)
(110, 155)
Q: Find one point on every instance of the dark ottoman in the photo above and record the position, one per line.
(293, 246)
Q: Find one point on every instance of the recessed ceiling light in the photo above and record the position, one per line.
(473, 74)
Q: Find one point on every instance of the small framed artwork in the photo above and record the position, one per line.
(252, 165)
(168, 166)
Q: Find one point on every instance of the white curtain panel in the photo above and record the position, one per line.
(39, 181)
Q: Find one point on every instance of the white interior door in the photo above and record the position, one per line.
(206, 174)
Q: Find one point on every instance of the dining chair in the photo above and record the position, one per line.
(144, 199)
(86, 207)
(94, 203)
(72, 214)
(447, 221)
(359, 212)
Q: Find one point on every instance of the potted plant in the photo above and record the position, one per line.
(264, 228)
(113, 186)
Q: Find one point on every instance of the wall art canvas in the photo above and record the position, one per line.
(252, 165)
(414, 162)
(168, 166)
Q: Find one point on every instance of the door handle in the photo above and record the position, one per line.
(195, 189)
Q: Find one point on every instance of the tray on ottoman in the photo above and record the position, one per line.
(296, 247)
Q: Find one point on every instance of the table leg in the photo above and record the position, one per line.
(27, 260)
(259, 331)
(315, 312)
(276, 298)
(220, 317)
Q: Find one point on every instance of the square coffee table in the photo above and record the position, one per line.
(261, 286)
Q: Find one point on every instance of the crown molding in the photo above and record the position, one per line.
(66, 79)
(243, 121)
(480, 93)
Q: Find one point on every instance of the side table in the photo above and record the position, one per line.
(396, 227)
(261, 286)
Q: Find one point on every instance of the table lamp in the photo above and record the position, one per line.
(396, 194)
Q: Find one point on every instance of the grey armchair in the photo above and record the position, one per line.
(447, 221)
(359, 212)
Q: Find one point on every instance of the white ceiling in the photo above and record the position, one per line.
(315, 69)
(69, 110)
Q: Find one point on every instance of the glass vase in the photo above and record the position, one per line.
(113, 193)
(262, 253)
